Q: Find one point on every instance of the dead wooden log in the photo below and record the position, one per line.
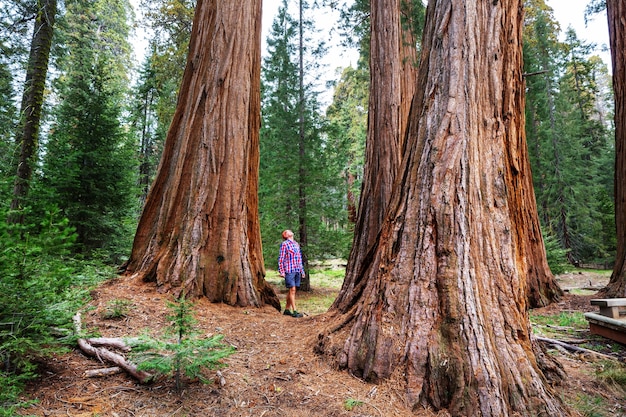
(572, 348)
(112, 357)
(112, 342)
(94, 373)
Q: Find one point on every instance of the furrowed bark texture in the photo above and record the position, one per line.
(393, 60)
(32, 100)
(444, 304)
(541, 287)
(616, 15)
(199, 229)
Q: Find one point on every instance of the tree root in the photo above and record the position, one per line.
(572, 348)
(111, 357)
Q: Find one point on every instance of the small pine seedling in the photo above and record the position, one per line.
(184, 352)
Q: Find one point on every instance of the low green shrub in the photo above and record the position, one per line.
(41, 287)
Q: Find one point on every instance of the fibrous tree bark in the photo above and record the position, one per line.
(32, 101)
(199, 230)
(445, 289)
(393, 69)
(616, 14)
(541, 287)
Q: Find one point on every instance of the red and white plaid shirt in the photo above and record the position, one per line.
(290, 258)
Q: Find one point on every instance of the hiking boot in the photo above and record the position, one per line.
(296, 314)
(288, 313)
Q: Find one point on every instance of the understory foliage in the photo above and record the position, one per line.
(182, 351)
(41, 287)
(555, 254)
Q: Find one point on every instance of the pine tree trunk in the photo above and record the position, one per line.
(199, 229)
(393, 69)
(302, 195)
(32, 101)
(444, 300)
(616, 14)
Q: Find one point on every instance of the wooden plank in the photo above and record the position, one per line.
(608, 333)
(609, 302)
(607, 327)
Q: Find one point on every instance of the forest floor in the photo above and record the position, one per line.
(274, 371)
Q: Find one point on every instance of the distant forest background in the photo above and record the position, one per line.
(104, 120)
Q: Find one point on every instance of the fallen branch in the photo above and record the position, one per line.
(95, 373)
(112, 342)
(572, 348)
(112, 357)
(568, 329)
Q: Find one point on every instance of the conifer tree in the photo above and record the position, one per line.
(587, 152)
(347, 130)
(88, 168)
(301, 184)
(199, 229)
(145, 124)
(8, 113)
(567, 137)
(442, 308)
(170, 23)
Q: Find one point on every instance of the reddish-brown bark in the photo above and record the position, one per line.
(393, 69)
(199, 229)
(444, 297)
(616, 14)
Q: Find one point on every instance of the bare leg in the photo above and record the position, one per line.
(290, 304)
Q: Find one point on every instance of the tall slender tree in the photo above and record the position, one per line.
(302, 172)
(444, 304)
(301, 184)
(393, 68)
(144, 120)
(32, 101)
(616, 14)
(199, 230)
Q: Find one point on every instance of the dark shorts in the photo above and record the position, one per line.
(292, 279)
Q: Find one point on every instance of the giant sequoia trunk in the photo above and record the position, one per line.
(616, 14)
(393, 69)
(199, 229)
(32, 101)
(444, 298)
